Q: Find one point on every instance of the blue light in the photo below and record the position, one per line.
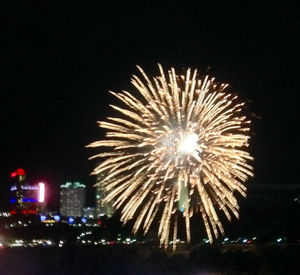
(83, 220)
(70, 220)
(29, 200)
(28, 187)
(43, 218)
(13, 188)
(13, 200)
(56, 217)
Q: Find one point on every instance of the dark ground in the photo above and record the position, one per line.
(274, 259)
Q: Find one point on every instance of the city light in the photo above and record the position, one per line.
(279, 240)
(18, 172)
(29, 200)
(56, 218)
(29, 211)
(41, 192)
(28, 187)
(4, 214)
(70, 220)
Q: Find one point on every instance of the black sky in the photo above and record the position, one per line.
(59, 60)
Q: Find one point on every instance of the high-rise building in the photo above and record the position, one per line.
(25, 197)
(72, 199)
(102, 209)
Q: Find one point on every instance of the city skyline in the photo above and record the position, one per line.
(52, 195)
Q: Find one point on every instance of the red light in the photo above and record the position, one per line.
(112, 242)
(13, 174)
(99, 222)
(13, 212)
(28, 212)
(18, 172)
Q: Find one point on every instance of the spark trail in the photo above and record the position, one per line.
(179, 148)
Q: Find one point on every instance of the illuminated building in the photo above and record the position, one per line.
(72, 199)
(25, 198)
(89, 212)
(102, 209)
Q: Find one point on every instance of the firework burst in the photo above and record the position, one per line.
(178, 149)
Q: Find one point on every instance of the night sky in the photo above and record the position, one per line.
(58, 62)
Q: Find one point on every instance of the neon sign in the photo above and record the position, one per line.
(29, 200)
(41, 192)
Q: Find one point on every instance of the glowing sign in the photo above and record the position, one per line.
(18, 172)
(43, 218)
(13, 188)
(13, 200)
(83, 220)
(71, 220)
(41, 192)
(29, 200)
(24, 187)
(29, 187)
(75, 184)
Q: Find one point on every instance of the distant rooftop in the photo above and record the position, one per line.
(75, 184)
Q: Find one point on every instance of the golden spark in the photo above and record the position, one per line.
(179, 149)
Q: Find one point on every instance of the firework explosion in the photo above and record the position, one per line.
(178, 150)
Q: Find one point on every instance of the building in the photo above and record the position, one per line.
(72, 199)
(25, 197)
(102, 209)
(89, 212)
